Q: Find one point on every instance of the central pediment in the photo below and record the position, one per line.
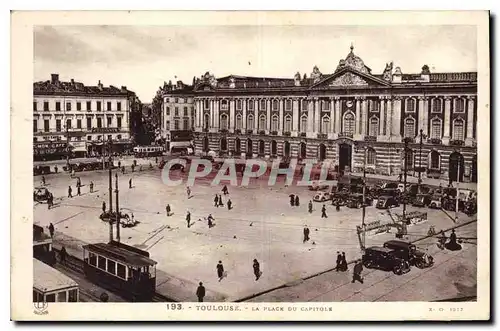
(348, 77)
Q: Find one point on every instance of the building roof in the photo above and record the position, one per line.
(47, 279)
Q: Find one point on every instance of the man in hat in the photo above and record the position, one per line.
(168, 209)
(104, 206)
(356, 275)
(200, 292)
(216, 201)
(256, 269)
(69, 192)
(292, 200)
(130, 183)
(310, 207)
(339, 260)
(306, 234)
(51, 230)
(229, 204)
(297, 201)
(323, 212)
(220, 270)
(188, 219)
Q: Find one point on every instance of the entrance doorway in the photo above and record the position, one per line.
(345, 156)
(287, 149)
(237, 146)
(249, 148)
(223, 144)
(274, 148)
(322, 152)
(455, 171)
(303, 151)
(205, 144)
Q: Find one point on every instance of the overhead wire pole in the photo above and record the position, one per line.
(117, 209)
(406, 141)
(458, 186)
(110, 193)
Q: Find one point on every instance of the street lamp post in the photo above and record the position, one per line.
(363, 213)
(420, 159)
(406, 142)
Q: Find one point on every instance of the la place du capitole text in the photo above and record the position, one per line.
(261, 308)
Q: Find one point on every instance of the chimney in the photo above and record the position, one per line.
(72, 81)
(99, 85)
(124, 89)
(54, 78)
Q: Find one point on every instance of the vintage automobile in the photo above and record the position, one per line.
(40, 194)
(41, 170)
(318, 185)
(125, 220)
(470, 207)
(410, 253)
(322, 197)
(386, 202)
(355, 200)
(385, 259)
(435, 202)
(422, 200)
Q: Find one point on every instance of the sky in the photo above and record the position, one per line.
(143, 57)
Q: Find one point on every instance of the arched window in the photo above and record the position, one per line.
(275, 123)
(262, 105)
(325, 124)
(206, 123)
(373, 105)
(262, 122)
(410, 105)
(458, 129)
(223, 122)
(435, 160)
(223, 105)
(275, 105)
(349, 123)
(325, 105)
(371, 156)
(437, 105)
(239, 122)
(303, 123)
(250, 122)
(459, 106)
(288, 104)
(288, 123)
(436, 128)
(373, 127)
(409, 128)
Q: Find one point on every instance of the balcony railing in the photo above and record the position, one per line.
(457, 142)
(370, 138)
(322, 136)
(223, 130)
(274, 133)
(287, 133)
(237, 131)
(205, 129)
(346, 135)
(249, 131)
(262, 132)
(434, 141)
(303, 134)
(408, 139)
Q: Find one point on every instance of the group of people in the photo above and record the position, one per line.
(78, 188)
(341, 262)
(294, 200)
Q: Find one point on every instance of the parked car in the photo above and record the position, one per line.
(410, 253)
(385, 259)
(355, 200)
(322, 197)
(386, 202)
(422, 200)
(40, 194)
(318, 185)
(389, 185)
(435, 202)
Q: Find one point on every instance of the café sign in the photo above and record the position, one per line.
(105, 130)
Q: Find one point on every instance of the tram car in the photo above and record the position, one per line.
(51, 285)
(147, 151)
(42, 246)
(123, 269)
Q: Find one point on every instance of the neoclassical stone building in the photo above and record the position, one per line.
(343, 115)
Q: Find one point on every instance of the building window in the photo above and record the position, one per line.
(207, 104)
(89, 138)
(371, 156)
(288, 104)
(304, 104)
(437, 105)
(99, 122)
(435, 160)
(58, 106)
(410, 105)
(46, 106)
(409, 129)
(89, 105)
(110, 120)
(78, 106)
(239, 121)
(349, 123)
(168, 125)
(325, 105)
(409, 158)
(250, 104)
(35, 125)
(238, 104)
(168, 111)
(436, 128)
(223, 105)
(118, 122)
(262, 105)
(374, 105)
(176, 124)
(34, 105)
(119, 137)
(46, 126)
(176, 111)
(89, 123)
(262, 122)
(186, 111)
(288, 123)
(98, 106)
(109, 105)
(373, 127)
(303, 123)
(458, 129)
(275, 123)
(250, 122)
(325, 124)
(68, 106)
(275, 105)
(185, 123)
(58, 125)
(68, 124)
(223, 122)
(78, 124)
(459, 106)
(119, 106)
(207, 121)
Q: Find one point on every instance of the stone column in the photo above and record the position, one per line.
(358, 115)
(470, 121)
(199, 111)
(425, 116)
(317, 116)
(295, 116)
(268, 115)
(217, 114)
(244, 124)
(420, 115)
(447, 119)
(364, 116)
(382, 117)
(394, 117)
(281, 118)
(333, 119)
(310, 116)
(338, 117)
(256, 115)
(232, 107)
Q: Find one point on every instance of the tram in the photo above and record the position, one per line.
(50, 285)
(42, 246)
(123, 269)
(147, 151)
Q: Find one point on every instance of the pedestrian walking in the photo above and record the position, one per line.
(188, 192)
(91, 187)
(69, 192)
(43, 180)
(50, 201)
(104, 206)
(51, 230)
(220, 201)
(256, 269)
(339, 261)
(356, 275)
(323, 212)
(224, 190)
(220, 270)
(123, 169)
(188, 219)
(297, 201)
(78, 182)
(216, 201)
(168, 209)
(78, 190)
(337, 206)
(119, 164)
(310, 207)
(56, 169)
(130, 183)
(229, 204)
(292, 200)
(343, 262)
(63, 254)
(200, 292)
(306, 234)
(210, 221)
